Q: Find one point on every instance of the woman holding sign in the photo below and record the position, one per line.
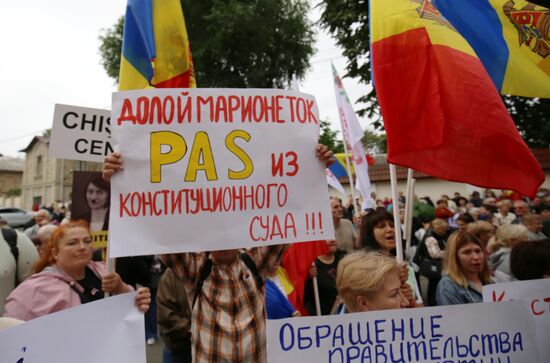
(466, 271)
(66, 277)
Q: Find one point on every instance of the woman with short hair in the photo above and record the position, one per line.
(368, 282)
(533, 222)
(506, 237)
(465, 271)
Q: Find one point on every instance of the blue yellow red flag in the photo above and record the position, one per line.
(155, 46)
(510, 37)
(442, 113)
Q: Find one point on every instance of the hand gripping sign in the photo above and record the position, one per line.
(214, 169)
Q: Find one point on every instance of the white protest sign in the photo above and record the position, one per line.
(473, 333)
(213, 169)
(537, 294)
(109, 330)
(80, 133)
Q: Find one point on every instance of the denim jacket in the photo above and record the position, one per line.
(450, 293)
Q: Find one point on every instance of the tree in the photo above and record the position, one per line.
(13, 192)
(110, 47)
(329, 137)
(531, 116)
(374, 143)
(237, 43)
(347, 21)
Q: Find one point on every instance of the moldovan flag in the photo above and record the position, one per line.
(511, 38)
(442, 113)
(155, 48)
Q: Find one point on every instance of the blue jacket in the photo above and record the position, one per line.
(450, 293)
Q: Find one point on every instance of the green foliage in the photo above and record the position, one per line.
(347, 21)
(330, 138)
(374, 143)
(13, 192)
(237, 43)
(531, 116)
(110, 47)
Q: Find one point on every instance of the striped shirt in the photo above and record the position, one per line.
(228, 320)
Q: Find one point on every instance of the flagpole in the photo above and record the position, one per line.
(396, 220)
(409, 208)
(350, 176)
(316, 293)
(110, 264)
(408, 234)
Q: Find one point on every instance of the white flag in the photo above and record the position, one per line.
(352, 137)
(333, 181)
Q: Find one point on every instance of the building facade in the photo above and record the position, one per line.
(48, 181)
(11, 173)
(425, 185)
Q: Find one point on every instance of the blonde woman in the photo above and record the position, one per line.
(506, 237)
(368, 282)
(465, 271)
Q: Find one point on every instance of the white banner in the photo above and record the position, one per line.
(473, 333)
(214, 169)
(537, 294)
(352, 136)
(80, 133)
(109, 330)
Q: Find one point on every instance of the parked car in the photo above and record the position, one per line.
(17, 217)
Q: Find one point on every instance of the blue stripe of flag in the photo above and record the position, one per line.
(337, 169)
(478, 22)
(138, 45)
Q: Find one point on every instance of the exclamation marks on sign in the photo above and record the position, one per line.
(314, 223)
(21, 360)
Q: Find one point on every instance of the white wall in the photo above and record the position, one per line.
(430, 187)
(6, 202)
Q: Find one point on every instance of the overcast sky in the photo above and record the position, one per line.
(50, 55)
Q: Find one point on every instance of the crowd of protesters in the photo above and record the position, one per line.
(212, 306)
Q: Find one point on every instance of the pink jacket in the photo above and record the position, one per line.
(46, 292)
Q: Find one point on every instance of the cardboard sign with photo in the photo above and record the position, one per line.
(91, 202)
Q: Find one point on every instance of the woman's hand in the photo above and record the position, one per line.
(324, 154)
(406, 291)
(113, 284)
(403, 273)
(113, 163)
(143, 299)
